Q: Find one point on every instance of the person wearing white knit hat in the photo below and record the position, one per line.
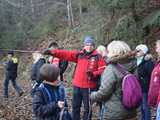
(143, 48)
(144, 70)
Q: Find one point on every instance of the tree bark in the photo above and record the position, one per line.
(72, 18)
(32, 8)
(70, 13)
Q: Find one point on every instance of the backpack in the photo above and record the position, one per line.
(154, 87)
(131, 89)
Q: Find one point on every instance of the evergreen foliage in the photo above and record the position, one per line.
(104, 19)
(152, 19)
(127, 29)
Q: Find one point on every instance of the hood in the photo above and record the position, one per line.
(128, 61)
(148, 57)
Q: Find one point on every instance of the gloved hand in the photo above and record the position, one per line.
(46, 52)
(90, 75)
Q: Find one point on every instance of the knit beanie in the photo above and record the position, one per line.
(143, 48)
(49, 72)
(10, 52)
(88, 39)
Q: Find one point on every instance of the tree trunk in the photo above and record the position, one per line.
(70, 13)
(80, 8)
(32, 8)
(72, 18)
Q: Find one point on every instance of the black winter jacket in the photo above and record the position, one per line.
(63, 66)
(144, 71)
(35, 69)
(11, 68)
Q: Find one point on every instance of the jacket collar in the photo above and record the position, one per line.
(83, 53)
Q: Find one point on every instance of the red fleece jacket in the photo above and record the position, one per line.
(80, 78)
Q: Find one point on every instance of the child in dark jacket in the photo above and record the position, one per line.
(48, 99)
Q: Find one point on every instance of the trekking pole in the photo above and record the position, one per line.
(22, 51)
(90, 105)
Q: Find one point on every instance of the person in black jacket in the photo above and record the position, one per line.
(145, 66)
(48, 99)
(37, 64)
(62, 64)
(11, 74)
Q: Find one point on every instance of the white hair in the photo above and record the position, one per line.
(117, 48)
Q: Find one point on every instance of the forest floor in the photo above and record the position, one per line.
(20, 108)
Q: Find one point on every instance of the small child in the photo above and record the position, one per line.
(48, 99)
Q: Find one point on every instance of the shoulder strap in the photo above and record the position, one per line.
(61, 91)
(81, 54)
(95, 56)
(47, 91)
(121, 69)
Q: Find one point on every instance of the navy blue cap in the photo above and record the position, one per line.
(10, 52)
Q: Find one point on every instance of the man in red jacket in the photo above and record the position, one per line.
(89, 65)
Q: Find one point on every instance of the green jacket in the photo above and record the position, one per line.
(110, 91)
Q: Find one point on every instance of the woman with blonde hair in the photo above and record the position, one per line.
(109, 93)
(103, 52)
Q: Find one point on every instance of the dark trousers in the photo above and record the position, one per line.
(81, 95)
(158, 112)
(6, 84)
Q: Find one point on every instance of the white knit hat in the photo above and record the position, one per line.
(143, 48)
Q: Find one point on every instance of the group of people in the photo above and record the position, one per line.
(96, 79)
